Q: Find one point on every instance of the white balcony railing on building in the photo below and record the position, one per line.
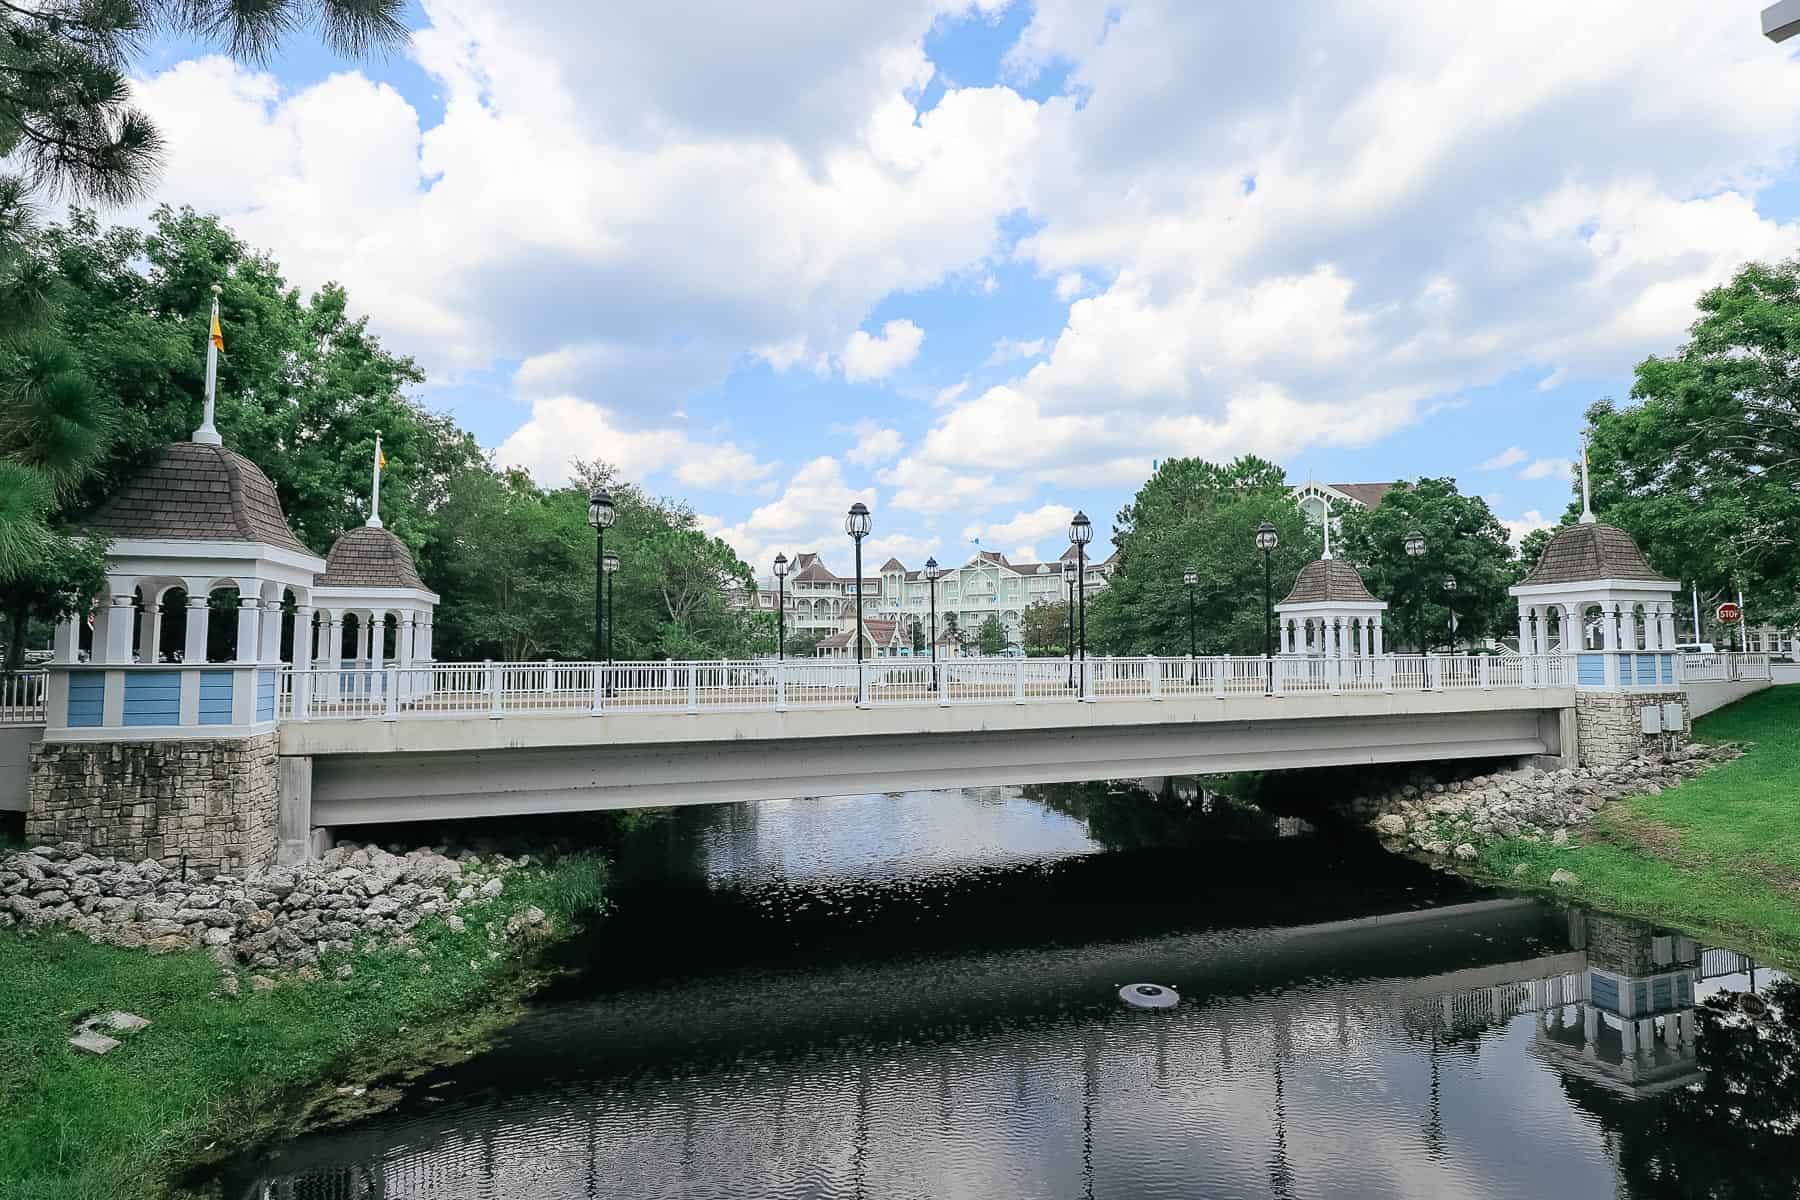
(22, 698)
(539, 689)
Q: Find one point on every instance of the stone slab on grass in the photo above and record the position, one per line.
(93, 1043)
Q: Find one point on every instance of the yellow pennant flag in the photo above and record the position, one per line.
(380, 460)
(218, 335)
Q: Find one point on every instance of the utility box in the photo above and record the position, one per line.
(1673, 718)
(1652, 717)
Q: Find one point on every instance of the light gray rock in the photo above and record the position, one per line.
(1466, 852)
(1564, 877)
(89, 1042)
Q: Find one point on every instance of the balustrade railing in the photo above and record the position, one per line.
(22, 697)
(365, 691)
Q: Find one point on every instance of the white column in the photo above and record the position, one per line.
(1337, 637)
(149, 626)
(1378, 646)
(199, 617)
(331, 625)
(120, 625)
(373, 634)
(403, 640)
(1525, 630)
(425, 630)
(66, 647)
(271, 632)
(249, 621)
(1668, 638)
(1609, 626)
(303, 637)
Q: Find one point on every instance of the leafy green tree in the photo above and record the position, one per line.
(1705, 470)
(67, 128)
(991, 637)
(1046, 628)
(1193, 513)
(917, 634)
(1464, 541)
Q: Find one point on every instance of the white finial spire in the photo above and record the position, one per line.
(1587, 506)
(1327, 524)
(374, 521)
(206, 435)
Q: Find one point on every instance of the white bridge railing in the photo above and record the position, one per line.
(1725, 668)
(22, 697)
(499, 689)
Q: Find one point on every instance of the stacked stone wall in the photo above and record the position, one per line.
(213, 800)
(1609, 728)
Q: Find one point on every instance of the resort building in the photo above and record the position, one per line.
(1315, 498)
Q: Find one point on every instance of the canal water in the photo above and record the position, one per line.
(916, 995)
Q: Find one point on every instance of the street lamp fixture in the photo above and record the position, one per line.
(1414, 545)
(781, 570)
(1069, 586)
(1267, 539)
(932, 575)
(1081, 532)
(856, 524)
(601, 515)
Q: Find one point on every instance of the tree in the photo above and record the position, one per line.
(917, 635)
(1705, 470)
(1046, 628)
(991, 637)
(1197, 514)
(67, 128)
(1464, 541)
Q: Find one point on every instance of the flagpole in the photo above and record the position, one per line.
(375, 491)
(1587, 507)
(207, 435)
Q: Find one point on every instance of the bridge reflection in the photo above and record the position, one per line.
(1014, 1070)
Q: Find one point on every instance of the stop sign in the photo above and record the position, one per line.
(1729, 613)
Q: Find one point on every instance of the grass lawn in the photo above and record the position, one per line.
(213, 1073)
(1718, 856)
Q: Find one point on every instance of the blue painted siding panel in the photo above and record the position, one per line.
(265, 695)
(215, 697)
(1668, 667)
(1662, 994)
(1590, 670)
(1646, 668)
(153, 698)
(87, 698)
(1604, 992)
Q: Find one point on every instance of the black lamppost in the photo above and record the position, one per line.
(1267, 538)
(856, 524)
(609, 566)
(931, 578)
(1069, 584)
(1449, 596)
(601, 515)
(781, 569)
(1081, 532)
(1190, 578)
(1414, 545)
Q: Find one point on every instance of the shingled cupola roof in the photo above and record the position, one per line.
(1590, 553)
(1329, 581)
(370, 557)
(198, 492)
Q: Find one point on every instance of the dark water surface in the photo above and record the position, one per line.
(915, 995)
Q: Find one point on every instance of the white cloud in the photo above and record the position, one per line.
(866, 358)
(808, 514)
(1532, 521)
(1024, 554)
(1010, 349)
(1070, 284)
(1548, 468)
(949, 395)
(874, 444)
(565, 427)
(1512, 456)
(1046, 521)
(1553, 380)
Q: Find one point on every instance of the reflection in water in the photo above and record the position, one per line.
(914, 996)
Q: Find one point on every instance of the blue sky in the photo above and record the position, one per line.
(981, 262)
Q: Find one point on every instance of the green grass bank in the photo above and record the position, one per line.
(215, 1073)
(1718, 856)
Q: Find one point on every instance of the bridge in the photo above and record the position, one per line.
(494, 739)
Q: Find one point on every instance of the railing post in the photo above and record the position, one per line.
(780, 685)
(302, 695)
(390, 703)
(943, 685)
(1336, 667)
(1154, 666)
(493, 689)
(1221, 664)
(1484, 672)
(1384, 672)
(693, 695)
(1277, 676)
(1019, 680)
(862, 684)
(1434, 673)
(1087, 679)
(597, 705)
